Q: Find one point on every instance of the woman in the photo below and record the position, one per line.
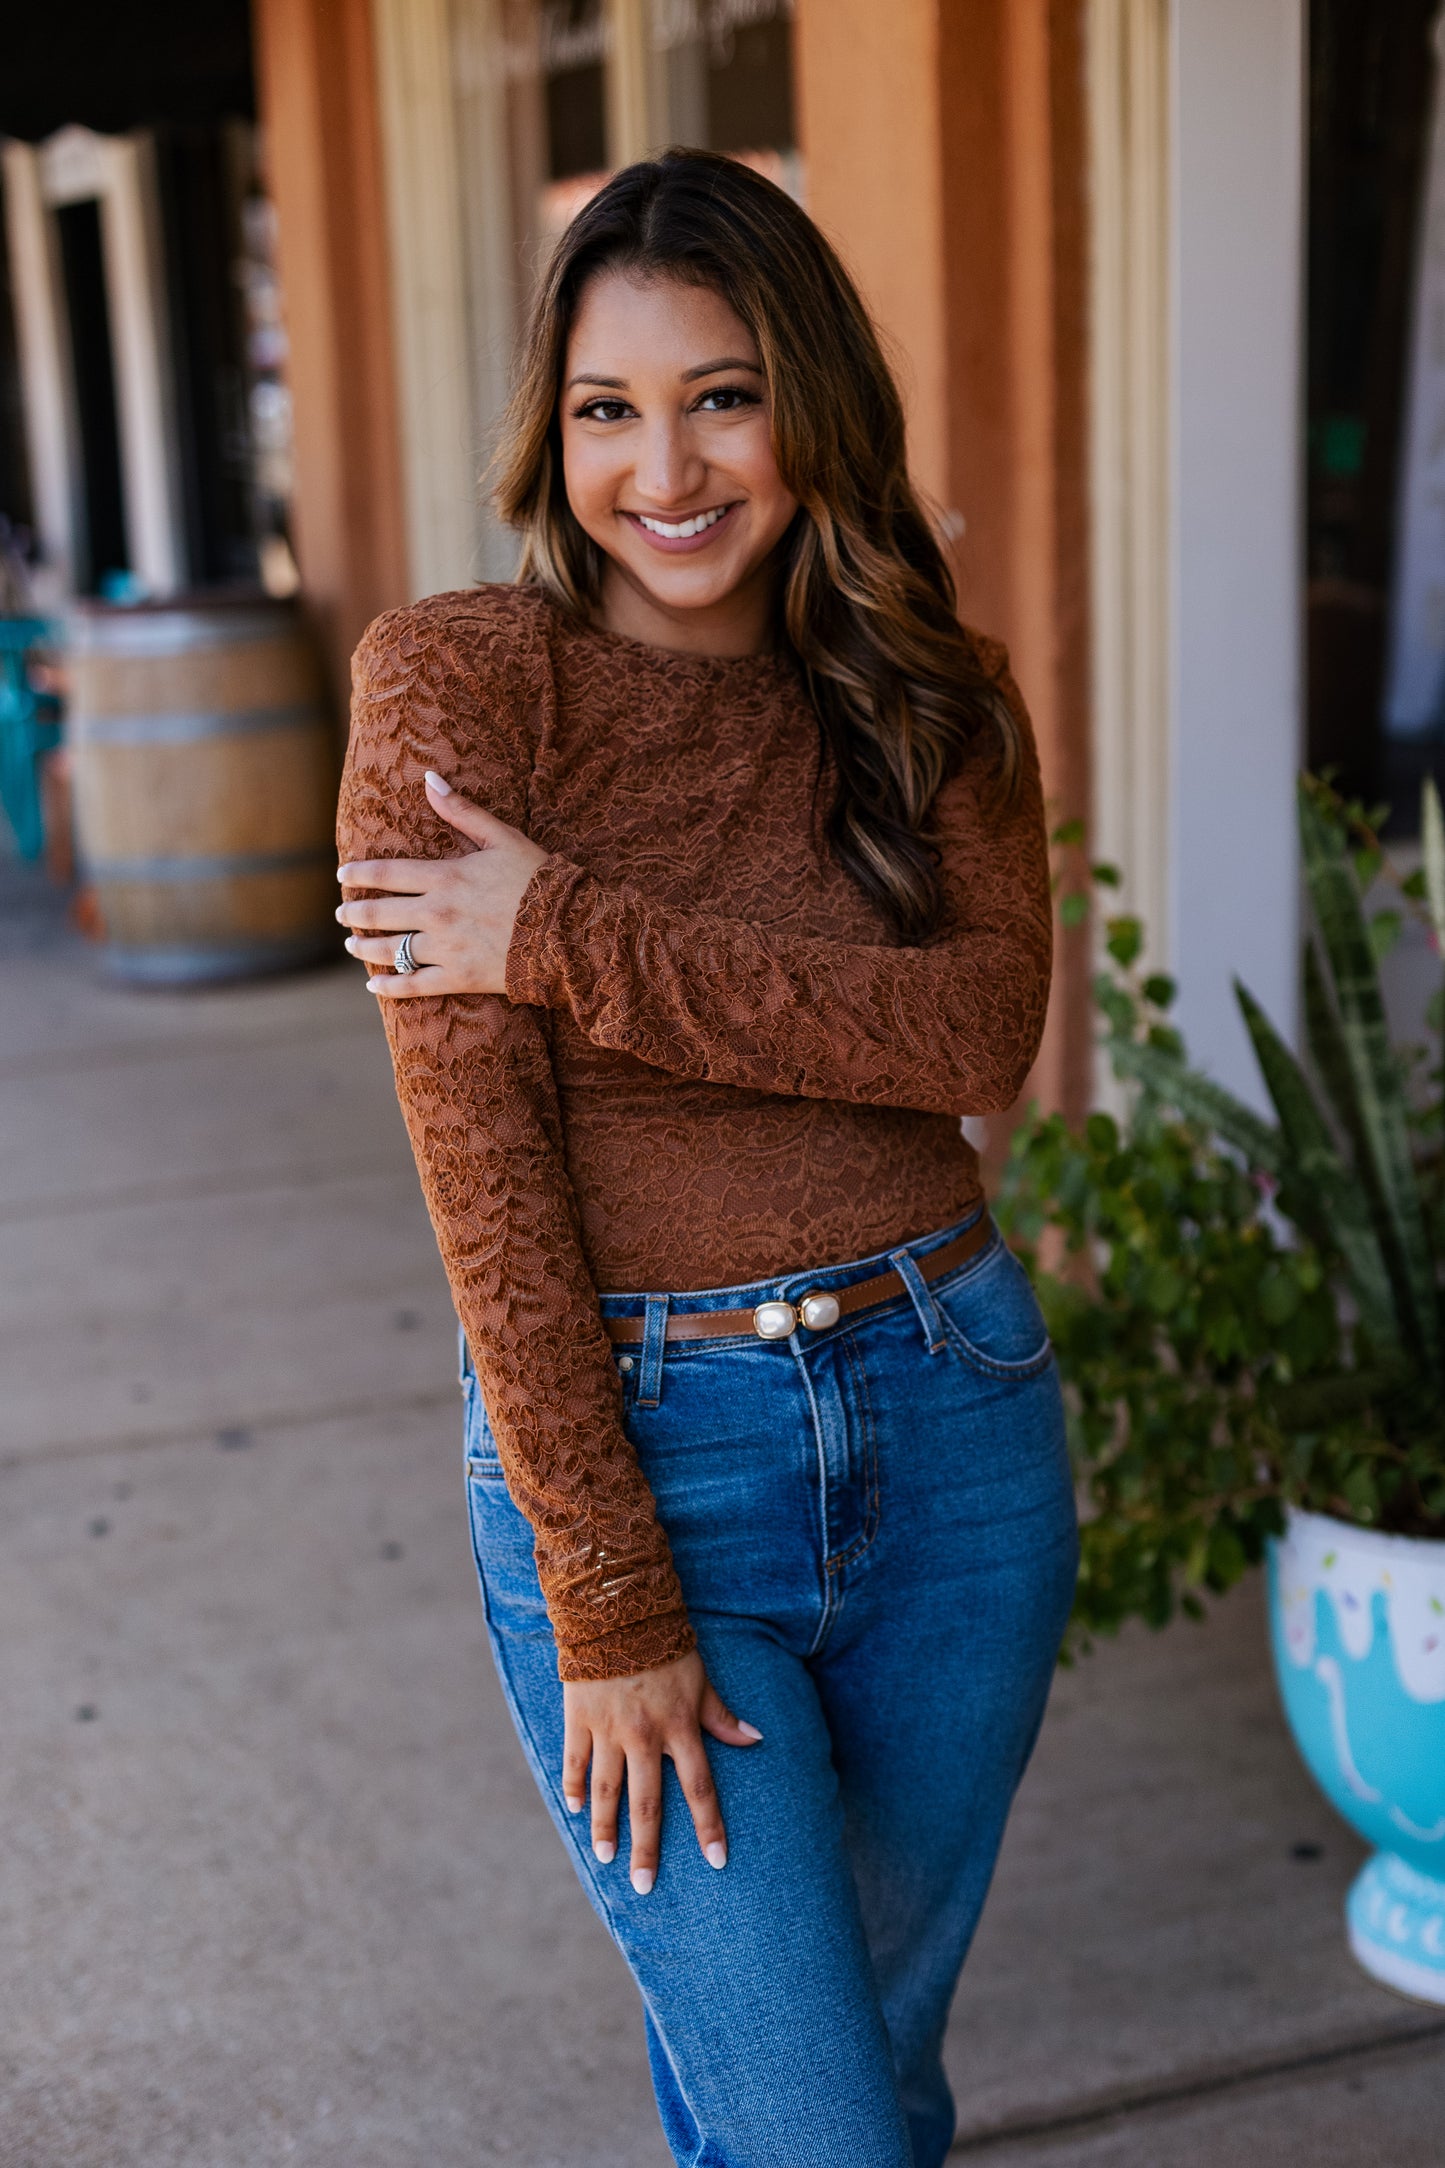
(703, 875)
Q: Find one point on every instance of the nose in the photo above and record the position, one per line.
(669, 469)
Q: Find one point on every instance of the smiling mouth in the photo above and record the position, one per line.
(682, 530)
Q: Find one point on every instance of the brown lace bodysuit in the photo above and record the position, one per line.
(712, 1064)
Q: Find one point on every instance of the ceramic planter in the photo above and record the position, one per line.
(1358, 1622)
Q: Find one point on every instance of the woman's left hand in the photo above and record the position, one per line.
(459, 911)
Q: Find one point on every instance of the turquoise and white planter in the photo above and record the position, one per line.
(1358, 1621)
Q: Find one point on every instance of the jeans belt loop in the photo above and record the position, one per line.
(923, 1302)
(654, 1344)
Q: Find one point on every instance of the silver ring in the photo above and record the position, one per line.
(404, 961)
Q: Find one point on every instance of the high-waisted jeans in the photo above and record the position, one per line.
(874, 1529)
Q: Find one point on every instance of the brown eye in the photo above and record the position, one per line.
(728, 398)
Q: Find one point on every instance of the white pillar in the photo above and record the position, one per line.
(1129, 388)
(1236, 129)
(46, 391)
(441, 452)
(139, 336)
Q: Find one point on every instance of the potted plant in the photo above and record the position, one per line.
(1249, 1321)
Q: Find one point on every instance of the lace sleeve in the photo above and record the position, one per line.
(950, 1028)
(474, 1077)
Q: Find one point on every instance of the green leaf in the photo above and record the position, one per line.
(1329, 1201)
(1374, 1073)
(1102, 1132)
(1385, 928)
(1432, 840)
(1199, 1099)
(1159, 990)
(1106, 875)
(1327, 1050)
(1125, 940)
(1073, 908)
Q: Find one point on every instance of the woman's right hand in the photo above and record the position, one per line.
(624, 1727)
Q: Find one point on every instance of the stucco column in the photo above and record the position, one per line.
(316, 79)
(943, 147)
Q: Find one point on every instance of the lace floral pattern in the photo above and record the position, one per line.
(713, 1065)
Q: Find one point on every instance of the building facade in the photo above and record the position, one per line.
(1081, 227)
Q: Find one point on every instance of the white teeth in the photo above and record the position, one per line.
(684, 527)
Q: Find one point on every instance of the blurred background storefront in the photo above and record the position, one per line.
(265, 268)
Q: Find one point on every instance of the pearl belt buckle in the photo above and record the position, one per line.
(777, 1320)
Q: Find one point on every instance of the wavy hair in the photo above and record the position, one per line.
(866, 597)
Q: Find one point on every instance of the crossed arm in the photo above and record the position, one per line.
(950, 1028)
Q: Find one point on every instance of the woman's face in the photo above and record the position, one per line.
(668, 459)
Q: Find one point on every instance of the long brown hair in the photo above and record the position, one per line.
(867, 599)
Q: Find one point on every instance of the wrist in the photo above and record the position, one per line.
(535, 946)
(626, 1650)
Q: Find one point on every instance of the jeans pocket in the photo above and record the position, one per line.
(992, 1316)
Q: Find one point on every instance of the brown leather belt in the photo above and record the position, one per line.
(777, 1320)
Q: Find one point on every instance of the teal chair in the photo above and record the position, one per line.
(29, 726)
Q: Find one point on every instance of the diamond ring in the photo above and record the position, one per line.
(404, 961)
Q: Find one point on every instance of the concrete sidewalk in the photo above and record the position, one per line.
(274, 1883)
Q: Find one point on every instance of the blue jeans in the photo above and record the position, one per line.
(874, 1529)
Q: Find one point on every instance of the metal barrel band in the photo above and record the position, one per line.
(223, 866)
(191, 727)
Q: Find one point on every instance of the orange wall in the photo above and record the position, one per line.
(316, 76)
(944, 153)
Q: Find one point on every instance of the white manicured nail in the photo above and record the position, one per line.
(716, 1855)
(606, 1850)
(749, 1731)
(575, 1802)
(642, 1880)
(443, 790)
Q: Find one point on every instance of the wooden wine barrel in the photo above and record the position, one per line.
(205, 788)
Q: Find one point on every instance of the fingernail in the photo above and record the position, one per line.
(373, 986)
(339, 909)
(606, 1850)
(749, 1731)
(443, 790)
(642, 1880)
(574, 1802)
(343, 872)
(350, 943)
(716, 1855)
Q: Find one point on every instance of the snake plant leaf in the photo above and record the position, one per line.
(1432, 837)
(1325, 1194)
(1327, 1051)
(1199, 1099)
(1376, 1087)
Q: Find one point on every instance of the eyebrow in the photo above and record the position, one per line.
(704, 368)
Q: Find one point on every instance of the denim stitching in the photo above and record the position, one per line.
(825, 1621)
(1033, 1366)
(859, 1374)
(988, 1364)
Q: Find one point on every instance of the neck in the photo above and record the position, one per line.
(740, 624)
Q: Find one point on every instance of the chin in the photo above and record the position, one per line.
(688, 591)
